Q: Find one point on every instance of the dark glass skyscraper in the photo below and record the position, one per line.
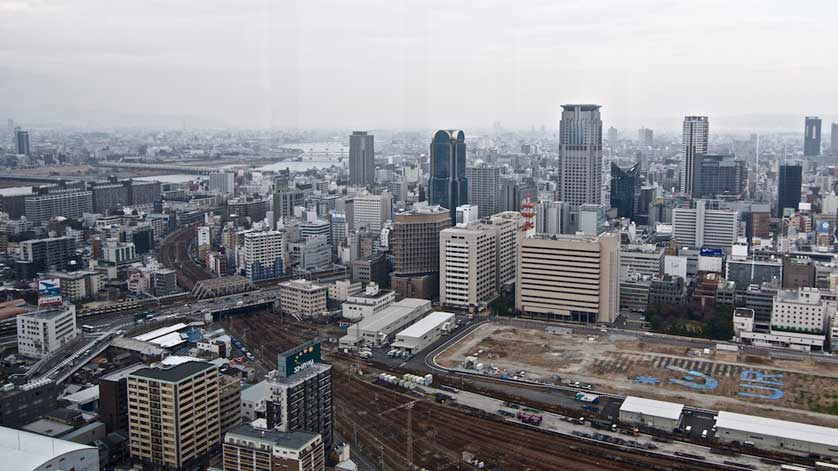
(788, 188)
(448, 183)
(361, 159)
(718, 175)
(812, 139)
(22, 141)
(625, 190)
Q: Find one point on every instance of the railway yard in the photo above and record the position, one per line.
(800, 389)
(175, 254)
(374, 418)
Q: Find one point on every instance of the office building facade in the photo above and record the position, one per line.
(646, 137)
(695, 141)
(719, 175)
(812, 138)
(414, 240)
(448, 182)
(371, 211)
(565, 277)
(44, 331)
(580, 155)
(701, 227)
(22, 142)
(625, 190)
(483, 185)
(789, 185)
(68, 204)
(361, 159)
(467, 266)
(222, 182)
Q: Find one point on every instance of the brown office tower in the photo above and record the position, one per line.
(798, 272)
(415, 245)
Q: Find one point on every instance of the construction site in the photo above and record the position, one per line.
(788, 388)
(394, 428)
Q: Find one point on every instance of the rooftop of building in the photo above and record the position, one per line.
(425, 324)
(296, 378)
(122, 373)
(175, 373)
(762, 426)
(651, 407)
(303, 285)
(290, 440)
(27, 450)
(47, 313)
(566, 237)
(582, 107)
(806, 295)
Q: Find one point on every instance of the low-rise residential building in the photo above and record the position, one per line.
(78, 285)
(247, 448)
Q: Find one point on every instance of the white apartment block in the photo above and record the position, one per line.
(303, 297)
(44, 331)
(370, 211)
(509, 225)
(569, 277)
(222, 182)
(468, 265)
(701, 227)
(264, 254)
(204, 236)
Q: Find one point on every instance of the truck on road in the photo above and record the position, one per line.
(585, 397)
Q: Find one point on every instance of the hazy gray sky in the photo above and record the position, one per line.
(415, 64)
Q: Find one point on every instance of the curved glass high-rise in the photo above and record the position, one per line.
(448, 182)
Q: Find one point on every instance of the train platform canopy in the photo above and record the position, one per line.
(149, 336)
(652, 408)
(777, 428)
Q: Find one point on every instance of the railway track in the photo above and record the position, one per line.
(442, 433)
(174, 254)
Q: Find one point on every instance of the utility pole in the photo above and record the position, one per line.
(410, 435)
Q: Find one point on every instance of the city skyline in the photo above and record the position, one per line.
(286, 65)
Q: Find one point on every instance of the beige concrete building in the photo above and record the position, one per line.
(303, 297)
(567, 277)
(468, 265)
(174, 414)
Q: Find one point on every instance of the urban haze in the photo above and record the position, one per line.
(425, 236)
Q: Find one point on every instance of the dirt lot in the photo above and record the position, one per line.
(794, 390)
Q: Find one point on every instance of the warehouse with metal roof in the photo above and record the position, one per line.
(773, 434)
(660, 415)
(424, 332)
(379, 327)
(29, 451)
